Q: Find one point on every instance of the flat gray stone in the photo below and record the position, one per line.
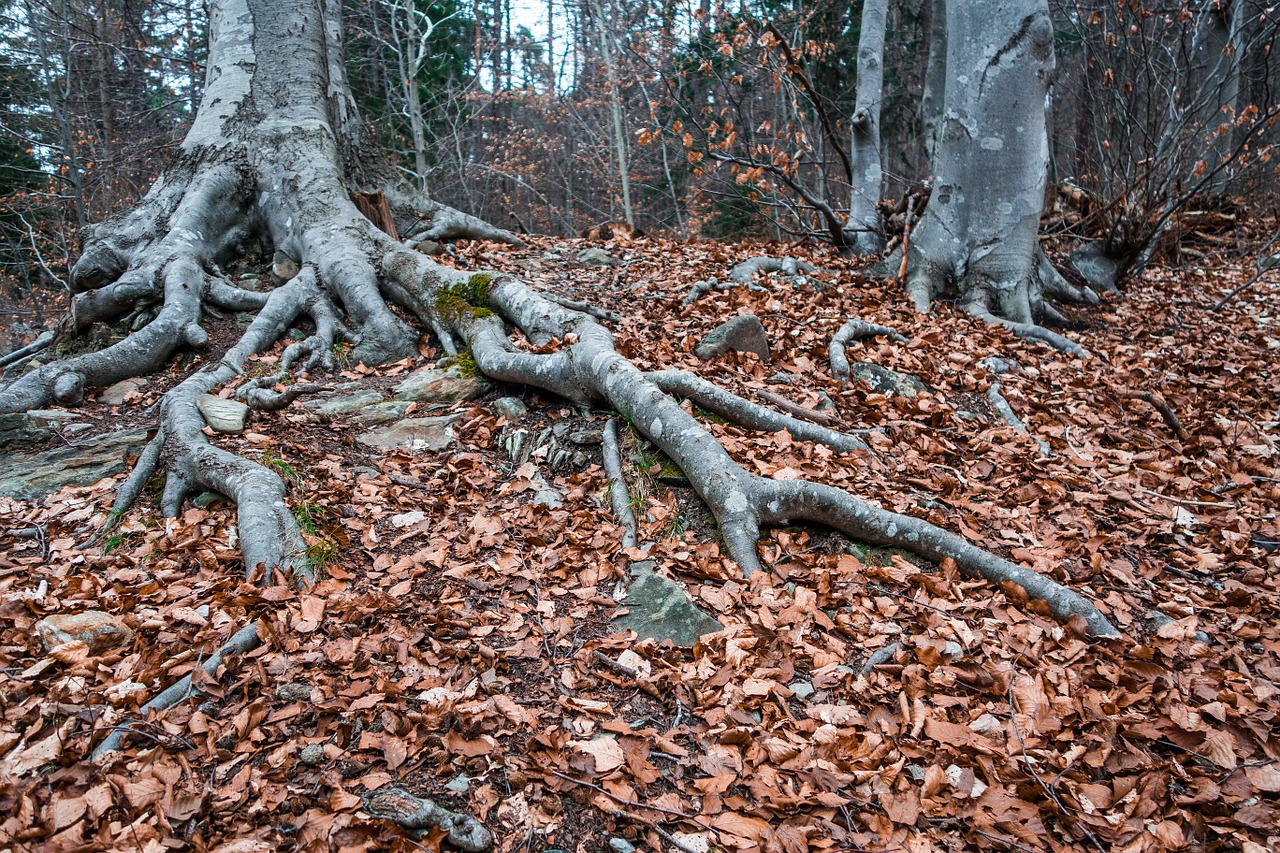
(29, 476)
(344, 404)
(114, 394)
(886, 381)
(459, 784)
(659, 609)
(381, 413)
(21, 428)
(412, 434)
(225, 416)
(511, 408)
(743, 333)
(597, 257)
(437, 384)
(621, 845)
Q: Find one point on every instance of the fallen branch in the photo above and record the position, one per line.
(827, 419)
(632, 804)
(1166, 412)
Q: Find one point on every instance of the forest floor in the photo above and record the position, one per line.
(456, 643)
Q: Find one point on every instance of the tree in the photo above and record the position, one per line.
(276, 153)
(864, 150)
(978, 232)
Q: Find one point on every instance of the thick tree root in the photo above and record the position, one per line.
(703, 287)
(587, 369)
(618, 496)
(246, 639)
(420, 813)
(856, 330)
(1027, 331)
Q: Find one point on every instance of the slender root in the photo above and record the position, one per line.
(856, 330)
(1001, 405)
(246, 639)
(826, 419)
(1029, 331)
(746, 413)
(618, 496)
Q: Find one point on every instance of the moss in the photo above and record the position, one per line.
(464, 362)
(456, 301)
(710, 417)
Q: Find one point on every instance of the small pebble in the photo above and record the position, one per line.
(801, 689)
(621, 845)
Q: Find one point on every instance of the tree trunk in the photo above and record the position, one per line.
(978, 233)
(864, 231)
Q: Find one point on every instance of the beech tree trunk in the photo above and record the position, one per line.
(978, 233)
(864, 231)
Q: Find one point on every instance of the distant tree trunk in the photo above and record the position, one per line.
(978, 233)
(864, 231)
(615, 111)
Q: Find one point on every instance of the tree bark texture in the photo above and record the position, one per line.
(978, 233)
(864, 230)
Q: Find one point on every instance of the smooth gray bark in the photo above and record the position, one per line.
(978, 233)
(864, 231)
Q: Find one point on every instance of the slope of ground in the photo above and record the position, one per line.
(459, 643)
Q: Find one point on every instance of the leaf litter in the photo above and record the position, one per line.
(459, 644)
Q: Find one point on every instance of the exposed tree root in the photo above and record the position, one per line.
(246, 639)
(745, 272)
(421, 814)
(22, 355)
(702, 287)
(618, 496)
(1001, 405)
(856, 330)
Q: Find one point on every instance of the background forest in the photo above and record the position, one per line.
(694, 120)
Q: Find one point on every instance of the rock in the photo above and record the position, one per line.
(96, 629)
(381, 413)
(549, 498)
(225, 416)
(434, 384)
(311, 754)
(428, 247)
(459, 784)
(21, 428)
(344, 404)
(743, 333)
(801, 689)
(781, 378)
(597, 257)
(1091, 261)
(413, 434)
(621, 845)
(204, 500)
(510, 408)
(115, 395)
(283, 267)
(1000, 366)
(659, 609)
(29, 476)
(295, 691)
(587, 437)
(886, 381)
